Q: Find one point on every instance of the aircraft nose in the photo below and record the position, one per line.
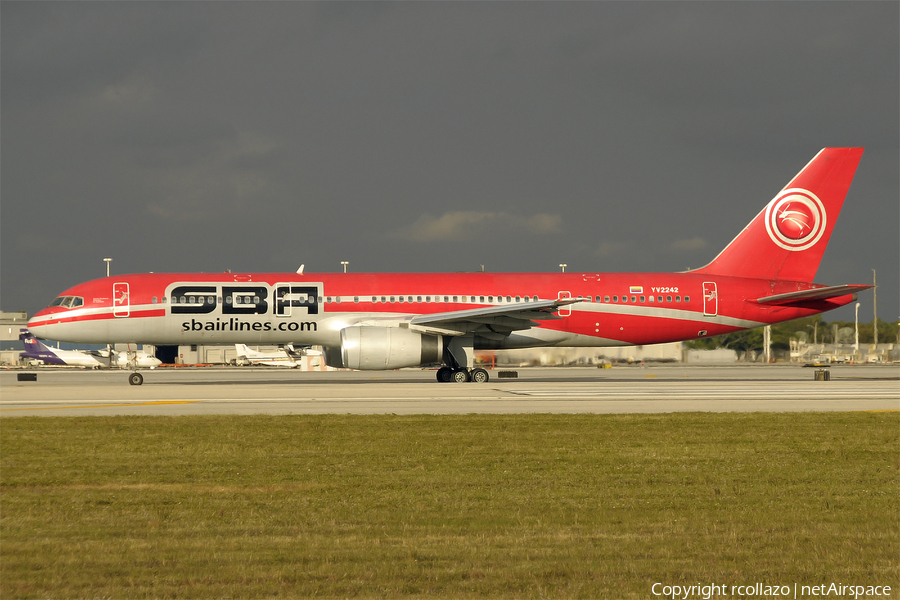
(33, 324)
(35, 319)
(41, 322)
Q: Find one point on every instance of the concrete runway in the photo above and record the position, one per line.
(625, 389)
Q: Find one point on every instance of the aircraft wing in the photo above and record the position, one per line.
(823, 293)
(489, 321)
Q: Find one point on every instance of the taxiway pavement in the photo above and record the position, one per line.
(631, 389)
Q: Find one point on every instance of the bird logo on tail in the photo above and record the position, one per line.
(795, 219)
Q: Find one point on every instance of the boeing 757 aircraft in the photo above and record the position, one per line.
(387, 321)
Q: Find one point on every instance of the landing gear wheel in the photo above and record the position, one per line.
(135, 379)
(480, 376)
(444, 375)
(461, 376)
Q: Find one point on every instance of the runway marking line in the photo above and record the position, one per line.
(105, 405)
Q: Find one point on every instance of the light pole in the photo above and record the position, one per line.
(107, 261)
(875, 307)
(345, 263)
(563, 267)
(856, 338)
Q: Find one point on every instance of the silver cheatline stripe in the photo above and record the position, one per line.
(668, 313)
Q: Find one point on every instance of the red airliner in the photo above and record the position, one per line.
(393, 320)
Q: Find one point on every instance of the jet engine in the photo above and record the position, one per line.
(378, 348)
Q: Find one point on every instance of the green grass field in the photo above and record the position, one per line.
(522, 506)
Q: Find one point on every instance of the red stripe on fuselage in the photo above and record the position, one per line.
(63, 318)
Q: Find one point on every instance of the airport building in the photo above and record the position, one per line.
(10, 346)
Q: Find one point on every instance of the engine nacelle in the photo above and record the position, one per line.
(381, 348)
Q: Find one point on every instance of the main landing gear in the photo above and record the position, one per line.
(459, 356)
(461, 375)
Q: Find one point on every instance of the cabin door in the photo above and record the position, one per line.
(284, 300)
(121, 300)
(564, 311)
(710, 299)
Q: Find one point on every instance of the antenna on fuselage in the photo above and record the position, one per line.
(300, 270)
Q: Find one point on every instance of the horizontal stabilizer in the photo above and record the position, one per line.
(823, 293)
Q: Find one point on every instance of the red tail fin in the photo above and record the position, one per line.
(787, 239)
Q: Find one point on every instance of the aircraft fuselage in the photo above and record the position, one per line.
(612, 309)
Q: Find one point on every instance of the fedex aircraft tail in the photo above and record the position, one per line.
(787, 238)
(32, 344)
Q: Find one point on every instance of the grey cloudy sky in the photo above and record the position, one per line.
(434, 136)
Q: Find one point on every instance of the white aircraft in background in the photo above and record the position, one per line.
(35, 351)
(277, 358)
(130, 359)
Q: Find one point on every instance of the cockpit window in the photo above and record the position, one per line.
(68, 301)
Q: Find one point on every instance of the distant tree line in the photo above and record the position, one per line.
(810, 329)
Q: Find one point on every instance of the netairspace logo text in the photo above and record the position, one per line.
(764, 590)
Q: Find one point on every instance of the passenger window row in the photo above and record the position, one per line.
(75, 301)
(615, 299)
(496, 299)
(636, 299)
(458, 299)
